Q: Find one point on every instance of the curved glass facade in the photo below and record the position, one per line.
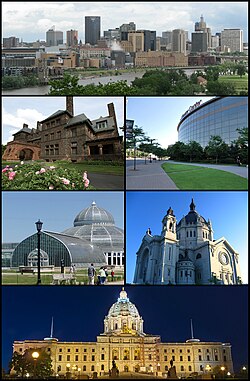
(219, 116)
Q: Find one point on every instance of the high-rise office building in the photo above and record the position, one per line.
(201, 26)
(199, 42)
(72, 37)
(125, 28)
(54, 37)
(179, 41)
(10, 42)
(149, 40)
(92, 29)
(232, 38)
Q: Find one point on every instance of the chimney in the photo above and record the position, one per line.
(69, 105)
(25, 125)
(111, 110)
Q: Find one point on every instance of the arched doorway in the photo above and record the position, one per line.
(26, 154)
(32, 258)
(126, 368)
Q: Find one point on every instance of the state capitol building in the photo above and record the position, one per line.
(124, 341)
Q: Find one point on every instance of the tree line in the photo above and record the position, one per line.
(216, 151)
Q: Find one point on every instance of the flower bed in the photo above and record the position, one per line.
(36, 177)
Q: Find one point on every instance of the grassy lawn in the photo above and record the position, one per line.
(200, 178)
(240, 83)
(99, 167)
(14, 277)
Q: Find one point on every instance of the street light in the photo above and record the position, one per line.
(79, 372)
(35, 356)
(223, 370)
(228, 374)
(208, 368)
(39, 225)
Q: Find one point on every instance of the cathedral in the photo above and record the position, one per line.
(65, 136)
(186, 253)
(124, 342)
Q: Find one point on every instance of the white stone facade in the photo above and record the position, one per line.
(186, 253)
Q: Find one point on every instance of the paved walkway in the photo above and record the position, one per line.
(106, 182)
(148, 176)
(240, 171)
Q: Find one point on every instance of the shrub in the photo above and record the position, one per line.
(35, 177)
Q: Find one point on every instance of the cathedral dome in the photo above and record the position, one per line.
(93, 215)
(193, 217)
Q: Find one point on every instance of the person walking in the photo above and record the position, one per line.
(112, 275)
(102, 275)
(91, 274)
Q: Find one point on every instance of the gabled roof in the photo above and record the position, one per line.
(24, 129)
(78, 119)
(57, 113)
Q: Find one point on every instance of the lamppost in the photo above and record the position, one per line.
(223, 371)
(67, 371)
(79, 372)
(208, 368)
(39, 225)
(35, 356)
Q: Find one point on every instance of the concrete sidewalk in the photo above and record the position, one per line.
(148, 176)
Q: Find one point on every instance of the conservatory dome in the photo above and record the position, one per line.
(96, 225)
(93, 215)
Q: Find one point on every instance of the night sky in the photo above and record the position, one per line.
(219, 313)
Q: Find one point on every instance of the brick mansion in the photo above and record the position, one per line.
(63, 136)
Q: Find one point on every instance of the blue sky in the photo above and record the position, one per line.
(31, 20)
(159, 116)
(56, 210)
(228, 212)
(29, 110)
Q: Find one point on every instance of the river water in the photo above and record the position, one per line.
(43, 90)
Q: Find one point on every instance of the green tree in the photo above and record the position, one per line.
(216, 148)
(241, 144)
(194, 151)
(220, 88)
(177, 151)
(241, 70)
(3, 148)
(24, 363)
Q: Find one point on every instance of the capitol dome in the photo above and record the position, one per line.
(123, 318)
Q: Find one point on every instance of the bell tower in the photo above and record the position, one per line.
(169, 225)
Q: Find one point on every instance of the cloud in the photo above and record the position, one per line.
(31, 19)
(16, 120)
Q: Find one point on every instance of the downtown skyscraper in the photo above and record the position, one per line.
(92, 29)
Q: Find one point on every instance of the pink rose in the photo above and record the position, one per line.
(85, 175)
(42, 170)
(65, 181)
(12, 175)
(86, 183)
(5, 170)
(51, 187)
(37, 172)
(52, 167)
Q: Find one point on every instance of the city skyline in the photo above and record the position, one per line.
(30, 21)
(47, 206)
(216, 206)
(165, 311)
(30, 110)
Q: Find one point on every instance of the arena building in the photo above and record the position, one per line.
(93, 239)
(220, 116)
(124, 341)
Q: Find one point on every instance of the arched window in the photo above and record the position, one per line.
(166, 367)
(198, 256)
(187, 234)
(126, 354)
(84, 368)
(92, 367)
(191, 233)
(194, 233)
